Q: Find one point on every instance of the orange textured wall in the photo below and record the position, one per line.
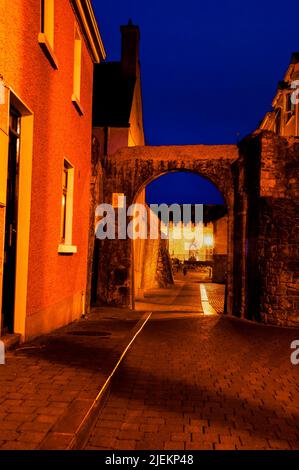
(59, 132)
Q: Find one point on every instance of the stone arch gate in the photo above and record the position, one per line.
(259, 182)
(128, 171)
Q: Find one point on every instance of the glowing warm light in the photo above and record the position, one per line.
(206, 306)
(208, 239)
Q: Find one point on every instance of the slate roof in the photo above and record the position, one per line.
(113, 96)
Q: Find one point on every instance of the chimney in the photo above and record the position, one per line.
(130, 50)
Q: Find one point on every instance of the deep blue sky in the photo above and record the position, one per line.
(209, 69)
(183, 188)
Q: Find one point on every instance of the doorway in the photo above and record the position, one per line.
(11, 223)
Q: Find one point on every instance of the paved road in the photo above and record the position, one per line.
(201, 382)
(183, 296)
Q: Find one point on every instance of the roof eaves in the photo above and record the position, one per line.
(85, 14)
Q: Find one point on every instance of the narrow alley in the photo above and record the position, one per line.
(192, 381)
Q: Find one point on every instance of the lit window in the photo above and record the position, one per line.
(66, 227)
(46, 35)
(77, 70)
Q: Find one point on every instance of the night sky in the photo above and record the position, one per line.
(183, 188)
(209, 69)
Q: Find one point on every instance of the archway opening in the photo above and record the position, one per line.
(185, 269)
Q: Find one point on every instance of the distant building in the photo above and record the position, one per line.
(48, 51)
(211, 247)
(187, 247)
(284, 117)
(117, 101)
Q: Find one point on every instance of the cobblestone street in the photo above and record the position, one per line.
(192, 381)
(215, 293)
(189, 381)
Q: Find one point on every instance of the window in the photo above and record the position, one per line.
(63, 203)
(77, 71)
(46, 36)
(66, 225)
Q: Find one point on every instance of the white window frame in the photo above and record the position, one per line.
(66, 245)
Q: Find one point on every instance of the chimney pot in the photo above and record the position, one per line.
(130, 49)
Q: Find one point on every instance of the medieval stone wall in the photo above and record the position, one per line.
(164, 273)
(278, 238)
(96, 197)
(278, 253)
(152, 264)
(260, 185)
(157, 271)
(266, 222)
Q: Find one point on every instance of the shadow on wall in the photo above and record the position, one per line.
(152, 264)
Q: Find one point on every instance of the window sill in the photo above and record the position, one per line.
(77, 104)
(46, 47)
(66, 249)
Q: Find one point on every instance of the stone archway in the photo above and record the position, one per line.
(131, 169)
(259, 182)
(151, 261)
